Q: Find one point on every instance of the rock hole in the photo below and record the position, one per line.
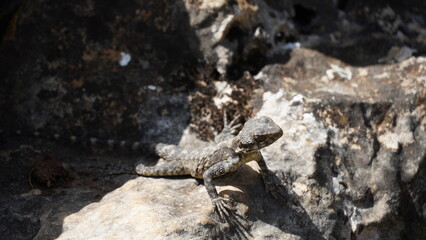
(282, 37)
(234, 33)
(342, 4)
(45, 95)
(303, 16)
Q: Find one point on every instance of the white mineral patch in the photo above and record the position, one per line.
(298, 99)
(224, 91)
(260, 75)
(152, 87)
(225, 55)
(341, 72)
(125, 59)
(218, 29)
(402, 134)
(291, 45)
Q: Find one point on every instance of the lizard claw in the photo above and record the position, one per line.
(223, 206)
(229, 129)
(231, 126)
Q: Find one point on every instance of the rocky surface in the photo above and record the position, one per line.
(354, 163)
(353, 156)
(345, 80)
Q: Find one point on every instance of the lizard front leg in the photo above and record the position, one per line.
(229, 162)
(224, 207)
(271, 182)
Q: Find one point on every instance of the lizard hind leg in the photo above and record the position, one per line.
(174, 168)
(229, 129)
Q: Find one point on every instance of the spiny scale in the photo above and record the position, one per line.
(134, 146)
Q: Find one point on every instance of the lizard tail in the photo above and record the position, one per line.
(174, 168)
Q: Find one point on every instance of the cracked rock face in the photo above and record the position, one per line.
(358, 159)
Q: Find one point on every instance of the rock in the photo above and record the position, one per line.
(158, 208)
(353, 149)
(352, 160)
(244, 35)
(144, 208)
(349, 159)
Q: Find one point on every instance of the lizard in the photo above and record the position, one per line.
(227, 154)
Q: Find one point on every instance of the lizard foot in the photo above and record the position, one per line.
(229, 130)
(225, 208)
(230, 127)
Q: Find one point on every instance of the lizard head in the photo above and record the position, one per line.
(258, 133)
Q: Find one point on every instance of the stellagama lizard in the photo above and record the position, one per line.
(225, 156)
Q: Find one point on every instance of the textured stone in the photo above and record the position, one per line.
(331, 157)
(352, 158)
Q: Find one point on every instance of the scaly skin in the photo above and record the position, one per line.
(224, 157)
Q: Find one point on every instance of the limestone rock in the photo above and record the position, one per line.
(351, 181)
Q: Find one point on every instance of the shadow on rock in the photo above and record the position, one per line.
(286, 215)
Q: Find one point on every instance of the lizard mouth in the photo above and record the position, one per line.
(246, 149)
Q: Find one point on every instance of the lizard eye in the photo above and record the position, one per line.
(247, 143)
